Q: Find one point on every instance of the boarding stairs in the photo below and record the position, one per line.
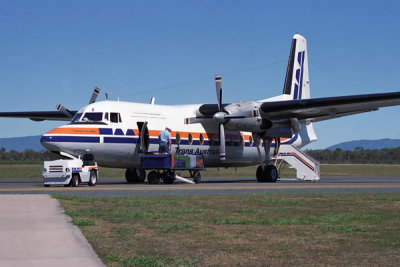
(307, 168)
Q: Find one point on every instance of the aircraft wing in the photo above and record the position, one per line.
(319, 109)
(38, 115)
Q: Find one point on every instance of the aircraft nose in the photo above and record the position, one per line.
(48, 143)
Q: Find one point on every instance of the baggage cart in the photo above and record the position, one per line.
(164, 165)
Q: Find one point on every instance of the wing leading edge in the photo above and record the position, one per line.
(38, 115)
(319, 109)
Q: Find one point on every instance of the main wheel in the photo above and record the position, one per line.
(133, 175)
(271, 173)
(75, 180)
(197, 177)
(153, 177)
(93, 178)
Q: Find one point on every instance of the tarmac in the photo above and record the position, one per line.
(35, 231)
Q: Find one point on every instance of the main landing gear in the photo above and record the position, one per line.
(267, 172)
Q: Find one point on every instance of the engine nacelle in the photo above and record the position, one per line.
(252, 124)
(244, 109)
(279, 132)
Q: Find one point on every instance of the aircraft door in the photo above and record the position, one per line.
(144, 139)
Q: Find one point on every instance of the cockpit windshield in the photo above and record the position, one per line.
(92, 116)
(77, 117)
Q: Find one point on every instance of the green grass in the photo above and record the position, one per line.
(35, 171)
(83, 222)
(19, 171)
(247, 230)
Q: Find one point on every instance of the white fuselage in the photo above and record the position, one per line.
(111, 131)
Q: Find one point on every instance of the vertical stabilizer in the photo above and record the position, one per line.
(297, 82)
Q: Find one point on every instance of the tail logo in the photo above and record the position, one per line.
(298, 86)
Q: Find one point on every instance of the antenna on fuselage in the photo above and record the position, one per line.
(106, 96)
(152, 100)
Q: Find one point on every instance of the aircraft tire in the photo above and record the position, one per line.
(133, 175)
(92, 178)
(75, 180)
(271, 174)
(260, 174)
(196, 177)
(153, 177)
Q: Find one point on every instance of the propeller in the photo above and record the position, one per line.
(96, 92)
(64, 110)
(68, 113)
(220, 118)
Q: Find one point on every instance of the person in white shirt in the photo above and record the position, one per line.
(164, 139)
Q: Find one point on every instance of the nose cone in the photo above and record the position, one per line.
(48, 143)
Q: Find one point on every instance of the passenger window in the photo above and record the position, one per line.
(201, 139)
(190, 139)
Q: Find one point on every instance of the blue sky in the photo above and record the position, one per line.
(58, 51)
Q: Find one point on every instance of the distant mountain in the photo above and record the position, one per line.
(367, 144)
(21, 143)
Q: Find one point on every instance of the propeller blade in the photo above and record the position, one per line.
(218, 87)
(64, 110)
(222, 155)
(96, 92)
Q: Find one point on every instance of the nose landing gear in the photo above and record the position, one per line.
(134, 175)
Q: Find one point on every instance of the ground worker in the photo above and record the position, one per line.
(164, 139)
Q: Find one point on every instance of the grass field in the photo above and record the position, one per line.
(35, 171)
(241, 230)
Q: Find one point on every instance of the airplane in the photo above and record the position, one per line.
(237, 134)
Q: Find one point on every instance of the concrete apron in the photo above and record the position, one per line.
(34, 231)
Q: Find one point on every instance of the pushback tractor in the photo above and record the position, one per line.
(70, 172)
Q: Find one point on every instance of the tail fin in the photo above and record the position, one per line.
(297, 84)
(297, 81)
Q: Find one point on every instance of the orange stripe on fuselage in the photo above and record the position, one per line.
(91, 131)
(152, 133)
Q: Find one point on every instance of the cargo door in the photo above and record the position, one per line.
(144, 139)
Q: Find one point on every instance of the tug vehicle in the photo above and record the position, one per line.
(70, 172)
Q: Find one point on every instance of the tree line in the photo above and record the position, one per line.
(358, 156)
(27, 155)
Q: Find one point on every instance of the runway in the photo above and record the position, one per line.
(210, 186)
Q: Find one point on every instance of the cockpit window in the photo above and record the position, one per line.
(77, 117)
(115, 117)
(92, 116)
(106, 116)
